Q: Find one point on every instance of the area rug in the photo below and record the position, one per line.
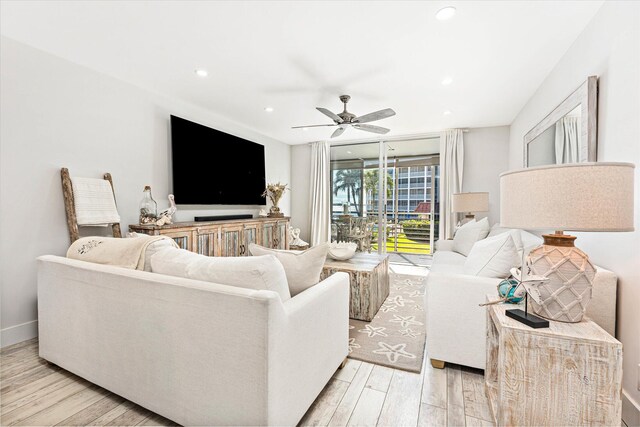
(396, 335)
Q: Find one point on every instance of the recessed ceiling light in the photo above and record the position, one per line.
(446, 81)
(305, 129)
(268, 109)
(446, 13)
(201, 73)
(348, 152)
(446, 112)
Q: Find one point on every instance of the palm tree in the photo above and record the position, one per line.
(350, 181)
(371, 179)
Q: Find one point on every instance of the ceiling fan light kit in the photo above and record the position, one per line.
(346, 119)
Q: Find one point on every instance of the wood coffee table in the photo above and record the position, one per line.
(369, 279)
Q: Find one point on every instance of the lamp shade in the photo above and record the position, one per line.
(574, 197)
(470, 202)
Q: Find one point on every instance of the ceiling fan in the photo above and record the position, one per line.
(345, 119)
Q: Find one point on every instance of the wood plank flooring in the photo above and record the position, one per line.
(34, 392)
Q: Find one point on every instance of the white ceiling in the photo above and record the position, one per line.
(294, 56)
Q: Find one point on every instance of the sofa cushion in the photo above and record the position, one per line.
(448, 258)
(492, 257)
(468, 234)
(259, 273)
(302, 268)
(447, 268)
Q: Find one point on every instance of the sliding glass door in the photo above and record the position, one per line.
(385, 195)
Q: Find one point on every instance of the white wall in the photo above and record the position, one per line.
(486, 156)
(300, 197)
(609, 47)
(54, 114)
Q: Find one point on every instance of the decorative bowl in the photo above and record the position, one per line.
(342, 250)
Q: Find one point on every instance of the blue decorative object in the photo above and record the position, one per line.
(507, 289)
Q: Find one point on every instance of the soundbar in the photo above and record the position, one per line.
(222, 217)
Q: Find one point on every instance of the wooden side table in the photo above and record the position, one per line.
(369, 280)
(567, 374)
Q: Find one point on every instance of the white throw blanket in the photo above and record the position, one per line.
(94, 201)
(127, 253)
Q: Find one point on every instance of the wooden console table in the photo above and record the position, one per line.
(567, 374)
(223, 238)
(369, 279)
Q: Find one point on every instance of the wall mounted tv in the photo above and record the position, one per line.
(214, 168)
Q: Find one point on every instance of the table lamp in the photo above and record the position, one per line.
(568, 197)
(468, 203)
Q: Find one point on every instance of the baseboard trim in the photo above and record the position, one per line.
(18, 333)
(630, 410)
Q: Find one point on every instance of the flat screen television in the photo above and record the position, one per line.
(211, 167)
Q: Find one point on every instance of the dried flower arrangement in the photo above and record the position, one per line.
(275, 192)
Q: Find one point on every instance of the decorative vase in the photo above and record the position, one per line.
(148, 207)
(565, 296)
(342, 250)
(274, 212)
(275, 192)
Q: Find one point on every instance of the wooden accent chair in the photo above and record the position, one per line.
(356, 229)
(70, 207)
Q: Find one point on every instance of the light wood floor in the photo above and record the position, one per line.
(34, 392)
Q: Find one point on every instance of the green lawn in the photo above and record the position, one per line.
(405, 245)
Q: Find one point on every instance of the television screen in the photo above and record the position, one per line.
(214, 168)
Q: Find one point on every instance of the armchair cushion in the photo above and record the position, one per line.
(301, 268)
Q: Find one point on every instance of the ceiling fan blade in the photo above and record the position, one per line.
(312, 126)
(371, 128)
(338, 132)
(336, 118)
(377, 115)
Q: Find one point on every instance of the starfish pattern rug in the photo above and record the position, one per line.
(396, 335)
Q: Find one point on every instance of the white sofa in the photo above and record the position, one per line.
(456, 324)
(195, 352)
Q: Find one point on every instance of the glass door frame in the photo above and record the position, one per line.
(382, 197)
(384, 166)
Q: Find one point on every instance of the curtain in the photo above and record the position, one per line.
(451, 167)
(567, 140)
(320, 193)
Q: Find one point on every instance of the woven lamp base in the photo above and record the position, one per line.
(567, 294)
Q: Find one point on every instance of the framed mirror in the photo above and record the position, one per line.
(569, 133)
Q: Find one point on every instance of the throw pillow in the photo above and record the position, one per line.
(155, 247)
(529, 241)
(524, 240)
(302, 268)
(259, 273)
(468, 234)
(492, 257)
